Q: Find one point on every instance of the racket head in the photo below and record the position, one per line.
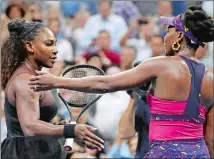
(76, 98)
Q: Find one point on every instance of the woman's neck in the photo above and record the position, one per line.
(190, 53)
(32, 65)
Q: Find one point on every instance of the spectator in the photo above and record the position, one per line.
(205, 55)
(207, 52)
(125, 9)
(128, 55)
(109, 110)
(70, 8)
(136, 118)
(104, 20)
(64, 47)
(55, 4)
(53, 13)
(164, 9)
(157, 45)
(119, 149)
(15, 10)
(145, 7)
(65, 51)
(33, 12)
(75, 30)
(141, 41)
(79, 150)
(103, 48)
(94, 60)
(132, 142)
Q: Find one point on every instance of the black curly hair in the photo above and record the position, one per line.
(200, 24)
(13, 50)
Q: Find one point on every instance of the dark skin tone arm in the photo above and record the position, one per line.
(27, 103)
(209, 137)
(207, 95)
(172, 83)
(122, 81)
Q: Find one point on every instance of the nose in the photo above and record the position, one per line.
(55, 51)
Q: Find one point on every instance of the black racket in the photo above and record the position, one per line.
(78, 99)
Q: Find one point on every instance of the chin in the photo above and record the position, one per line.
(49, 65)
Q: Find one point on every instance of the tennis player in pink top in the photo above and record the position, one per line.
(181, 100)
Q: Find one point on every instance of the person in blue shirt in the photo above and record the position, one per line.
(136, 119)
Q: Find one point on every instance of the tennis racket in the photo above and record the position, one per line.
(78, 99)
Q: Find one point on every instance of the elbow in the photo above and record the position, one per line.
(209, 139)
(126, 135)
(28, 130)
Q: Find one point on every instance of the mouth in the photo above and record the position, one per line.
(53, 59)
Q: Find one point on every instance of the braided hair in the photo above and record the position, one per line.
(200, 24)
(13, 49)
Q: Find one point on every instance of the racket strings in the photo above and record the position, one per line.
(75, 97)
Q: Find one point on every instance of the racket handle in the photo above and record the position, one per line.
(69, 141)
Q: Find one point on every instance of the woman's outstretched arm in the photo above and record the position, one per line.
(103, 84)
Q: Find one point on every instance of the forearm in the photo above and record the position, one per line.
(127, 121)
(210, 146)
(211, 149)
(87, 84)
(44, 129)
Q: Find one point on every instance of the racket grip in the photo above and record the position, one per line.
(69, 141)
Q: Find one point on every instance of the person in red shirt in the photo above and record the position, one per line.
(102, 47)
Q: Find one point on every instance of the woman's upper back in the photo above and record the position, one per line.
(182, 73)
(178, 107)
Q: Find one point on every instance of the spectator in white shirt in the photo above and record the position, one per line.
(109, 110)
(104, 20)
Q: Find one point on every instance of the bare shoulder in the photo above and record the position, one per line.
(163, 60)
(21, 86)
(160, 63)
(208, 78)
(207, 87)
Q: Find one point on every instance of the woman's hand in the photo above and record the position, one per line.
(43, 81)
(86, 134)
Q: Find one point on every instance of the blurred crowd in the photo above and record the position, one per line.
(111, 35)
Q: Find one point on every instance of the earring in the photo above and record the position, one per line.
(176, 46)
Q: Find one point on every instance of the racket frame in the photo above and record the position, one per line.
(69, 141)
